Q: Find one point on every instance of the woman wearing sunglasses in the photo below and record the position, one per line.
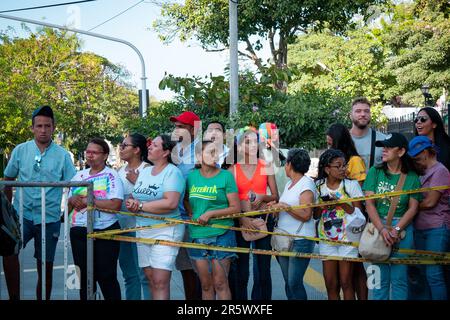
(336, 222)
(133, 150)
(385, 178)
(108, 194)
(429, 123)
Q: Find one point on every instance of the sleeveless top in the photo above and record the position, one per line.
(257, 183)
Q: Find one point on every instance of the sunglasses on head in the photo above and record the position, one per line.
(422, 119)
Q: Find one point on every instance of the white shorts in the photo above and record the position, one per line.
(159, 256)
(338, 250)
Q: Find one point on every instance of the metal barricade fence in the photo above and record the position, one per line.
(90, 228)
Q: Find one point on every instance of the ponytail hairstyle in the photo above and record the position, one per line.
(139, 141)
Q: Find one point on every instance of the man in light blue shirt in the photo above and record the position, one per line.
(41, 160)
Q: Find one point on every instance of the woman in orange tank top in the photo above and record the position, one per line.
(252, 180)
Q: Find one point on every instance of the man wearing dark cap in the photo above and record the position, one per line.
(42, 160)
(187, 127)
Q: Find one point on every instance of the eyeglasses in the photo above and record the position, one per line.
(88, 152)
(327, 225)
(341, 167)
(422, 119)
(124, 145)
(37, 163)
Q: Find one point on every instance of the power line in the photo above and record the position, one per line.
(47, 6)
(129, 8)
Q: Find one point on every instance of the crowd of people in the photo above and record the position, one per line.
(194, 177)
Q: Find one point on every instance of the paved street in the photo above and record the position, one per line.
(314, 281)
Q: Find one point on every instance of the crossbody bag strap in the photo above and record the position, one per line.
(372, 148)
(395, 200)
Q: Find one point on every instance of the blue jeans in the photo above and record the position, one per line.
(395, 276)
(33, 231)
(240, 273)
(294, 269)
(134, 276)
(435, 239)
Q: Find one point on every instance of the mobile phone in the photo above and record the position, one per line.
(325, 198)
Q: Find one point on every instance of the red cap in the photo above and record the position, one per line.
(187, 117)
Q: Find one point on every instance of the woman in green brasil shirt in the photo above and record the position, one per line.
(211, 192)
(381, 180)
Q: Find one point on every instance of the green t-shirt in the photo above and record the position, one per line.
(378, 182)
(206, 194)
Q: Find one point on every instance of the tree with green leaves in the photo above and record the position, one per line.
(418, 40)
(276, 22)
(90, 95)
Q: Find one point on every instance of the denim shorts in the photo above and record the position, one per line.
(33, 231)
(228, 239)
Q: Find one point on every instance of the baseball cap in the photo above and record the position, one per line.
(418, 144)
(187, 117)
(394, 139)
(43, 111)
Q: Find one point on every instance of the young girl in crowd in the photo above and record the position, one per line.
(338, 137)
(336, 222)
(133, 150)
(157, 192)
(211, 193)
(396, 165)
(108, 194)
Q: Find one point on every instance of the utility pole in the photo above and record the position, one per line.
(143, 99)
(234, 66)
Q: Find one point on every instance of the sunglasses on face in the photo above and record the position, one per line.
(124, 145)
(422, 119)
(37, 163)
(327, 225)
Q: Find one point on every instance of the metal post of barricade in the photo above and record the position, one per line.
(66, 240)
(43, 246)
(20, 249)
(90, 243)
(20, 185)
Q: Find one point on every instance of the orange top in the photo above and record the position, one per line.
(258, 183)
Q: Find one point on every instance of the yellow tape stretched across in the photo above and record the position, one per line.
(172, 221)
(268, 252)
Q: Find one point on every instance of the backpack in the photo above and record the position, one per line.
(10, 239)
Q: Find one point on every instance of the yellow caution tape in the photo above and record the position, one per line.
(151, 241)
(172, 221)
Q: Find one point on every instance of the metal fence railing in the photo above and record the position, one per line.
(90, 223)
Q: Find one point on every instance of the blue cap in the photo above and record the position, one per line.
(45, 111)
(418, 144)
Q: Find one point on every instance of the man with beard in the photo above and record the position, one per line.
(43, 160)
(364, 136)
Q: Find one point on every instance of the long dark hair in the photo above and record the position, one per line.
(342, 140)
(441, 138)
(140, 142)
(406, 162)
(167, 144)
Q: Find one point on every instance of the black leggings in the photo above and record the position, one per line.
(106, 254)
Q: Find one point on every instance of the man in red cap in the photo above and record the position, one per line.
(187, 127)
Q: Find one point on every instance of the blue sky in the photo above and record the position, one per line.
(134, 26)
